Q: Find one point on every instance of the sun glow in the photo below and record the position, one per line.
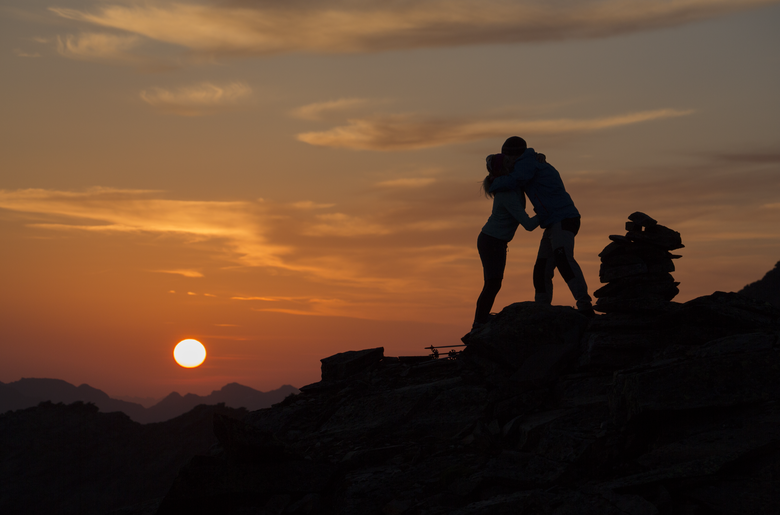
(189, 353)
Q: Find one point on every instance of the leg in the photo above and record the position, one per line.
(563, 244)
(492, 253)
(544, 269)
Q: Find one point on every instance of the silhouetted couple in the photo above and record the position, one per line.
(514, 173)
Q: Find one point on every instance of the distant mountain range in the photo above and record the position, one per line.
(28, 392)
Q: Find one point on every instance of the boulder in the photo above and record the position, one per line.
(345, 364)
(544, 337)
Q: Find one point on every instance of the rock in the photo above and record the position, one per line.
(727, 372)
(345, 364)
(637, 266)
(525, 330)
(767, 289)
(640, 219)
(245, 443)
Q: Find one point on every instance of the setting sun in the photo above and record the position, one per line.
(189, 353)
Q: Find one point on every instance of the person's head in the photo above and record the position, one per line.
(514, 146)
(495, 164)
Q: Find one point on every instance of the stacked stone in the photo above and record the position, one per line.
(636, 267)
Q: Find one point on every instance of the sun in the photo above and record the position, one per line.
(189, 353)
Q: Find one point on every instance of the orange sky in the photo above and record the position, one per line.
(282, 191)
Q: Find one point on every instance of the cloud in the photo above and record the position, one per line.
(340, 224)
(200, 99)
(100, 47)
(411, 182)
(308, 204)
(185, 273)
(309, 306)
(263, 27)
(409, 132)
(318, 110)
(272, 235)
(240, 224)
(21, 53)
(757, 157)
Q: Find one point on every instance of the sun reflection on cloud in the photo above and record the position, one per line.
(242, 28)
(241, 224)
(185, 273)
(410, 132)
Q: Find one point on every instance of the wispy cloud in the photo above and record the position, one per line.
(756, 157)
(308, 204)
(340, 224)
(409, 182)
(263, 27)
(185, 273)
(319, 110)
(240, 224)
(248, 234)
(199, 99)
(22, 53)
(100, 47)
(409, 132)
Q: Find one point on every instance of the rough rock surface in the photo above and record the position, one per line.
(544, 412)
(767, 288)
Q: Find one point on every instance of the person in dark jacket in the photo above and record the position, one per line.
(557, 215)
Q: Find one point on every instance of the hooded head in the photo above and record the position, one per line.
(514, 146)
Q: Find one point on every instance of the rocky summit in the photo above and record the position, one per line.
(671, 411)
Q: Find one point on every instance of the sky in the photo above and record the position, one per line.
(287, 180)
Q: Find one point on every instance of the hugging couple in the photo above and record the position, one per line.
(514, 173)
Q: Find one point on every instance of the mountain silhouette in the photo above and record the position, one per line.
(28, 392)
(72, 459)
(767, 288)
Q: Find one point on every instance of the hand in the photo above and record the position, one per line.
(541, 158)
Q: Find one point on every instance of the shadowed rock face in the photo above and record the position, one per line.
(71, 459)
(545, 412)
(767, 289)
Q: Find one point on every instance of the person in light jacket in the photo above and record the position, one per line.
(492, 243)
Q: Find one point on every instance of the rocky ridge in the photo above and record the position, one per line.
(669, 411)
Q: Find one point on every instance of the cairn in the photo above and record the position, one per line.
(636, 268)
